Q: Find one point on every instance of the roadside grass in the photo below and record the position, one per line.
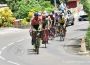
(88, 39)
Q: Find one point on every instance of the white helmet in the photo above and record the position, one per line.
(39, 13)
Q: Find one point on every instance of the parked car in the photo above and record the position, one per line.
(69, 18)
(82, 16)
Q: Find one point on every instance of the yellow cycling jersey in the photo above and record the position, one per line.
(62, 20)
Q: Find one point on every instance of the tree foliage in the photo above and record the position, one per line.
(25, 7)
(21, 8)
(86, 5)
(2, 1)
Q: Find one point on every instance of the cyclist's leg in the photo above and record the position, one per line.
(34, 40)
(43, 27)
(37, 42)
(47, 33)
(37, 45)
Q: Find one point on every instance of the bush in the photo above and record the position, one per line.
(7, 24)
(88, 38)
(1, 22)
(86, 6)
(6, 16)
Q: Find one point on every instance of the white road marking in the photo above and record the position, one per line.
(2, 49)
(2, 58)
(20, 40)
(10, 44)
(13, 62)
(0, 52)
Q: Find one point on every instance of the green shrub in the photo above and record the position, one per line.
(86, 6)
(1, 23)
(88, 38)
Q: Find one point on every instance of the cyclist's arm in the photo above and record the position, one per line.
(30, 23)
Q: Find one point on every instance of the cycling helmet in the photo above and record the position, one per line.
(46, 14)
(36, 14)
(50, 14)
(39, 14)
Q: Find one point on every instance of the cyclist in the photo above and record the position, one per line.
(52, 24)
(35, 25)
(62, 23)
(45, 27)
(52, 16)
(56, 18)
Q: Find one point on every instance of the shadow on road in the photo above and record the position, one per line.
(73, 47)
(59, 40)
(42, 47)
(30, 51)
(75, 39)
(81, 30)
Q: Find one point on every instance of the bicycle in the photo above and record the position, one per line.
(62, 34)
(45, 37)
(57, 30)
(52, 33)
(36, 41)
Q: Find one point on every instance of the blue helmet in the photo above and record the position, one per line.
(36, 14)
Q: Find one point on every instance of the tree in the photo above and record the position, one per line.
(57, 1)
(13, 4)
(3, 1)
(46, 5)
(25, 7)
(21, 8)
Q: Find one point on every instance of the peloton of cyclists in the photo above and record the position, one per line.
(46, 22)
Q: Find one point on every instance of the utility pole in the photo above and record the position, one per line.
(55, 4)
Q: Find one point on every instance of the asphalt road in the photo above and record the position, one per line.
(16, 49)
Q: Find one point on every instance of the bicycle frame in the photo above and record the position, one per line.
(62, 34)
(37, 41)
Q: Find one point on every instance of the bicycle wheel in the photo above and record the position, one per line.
(45, 45)
(61, 35)
(37, 45)
(37, 50)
